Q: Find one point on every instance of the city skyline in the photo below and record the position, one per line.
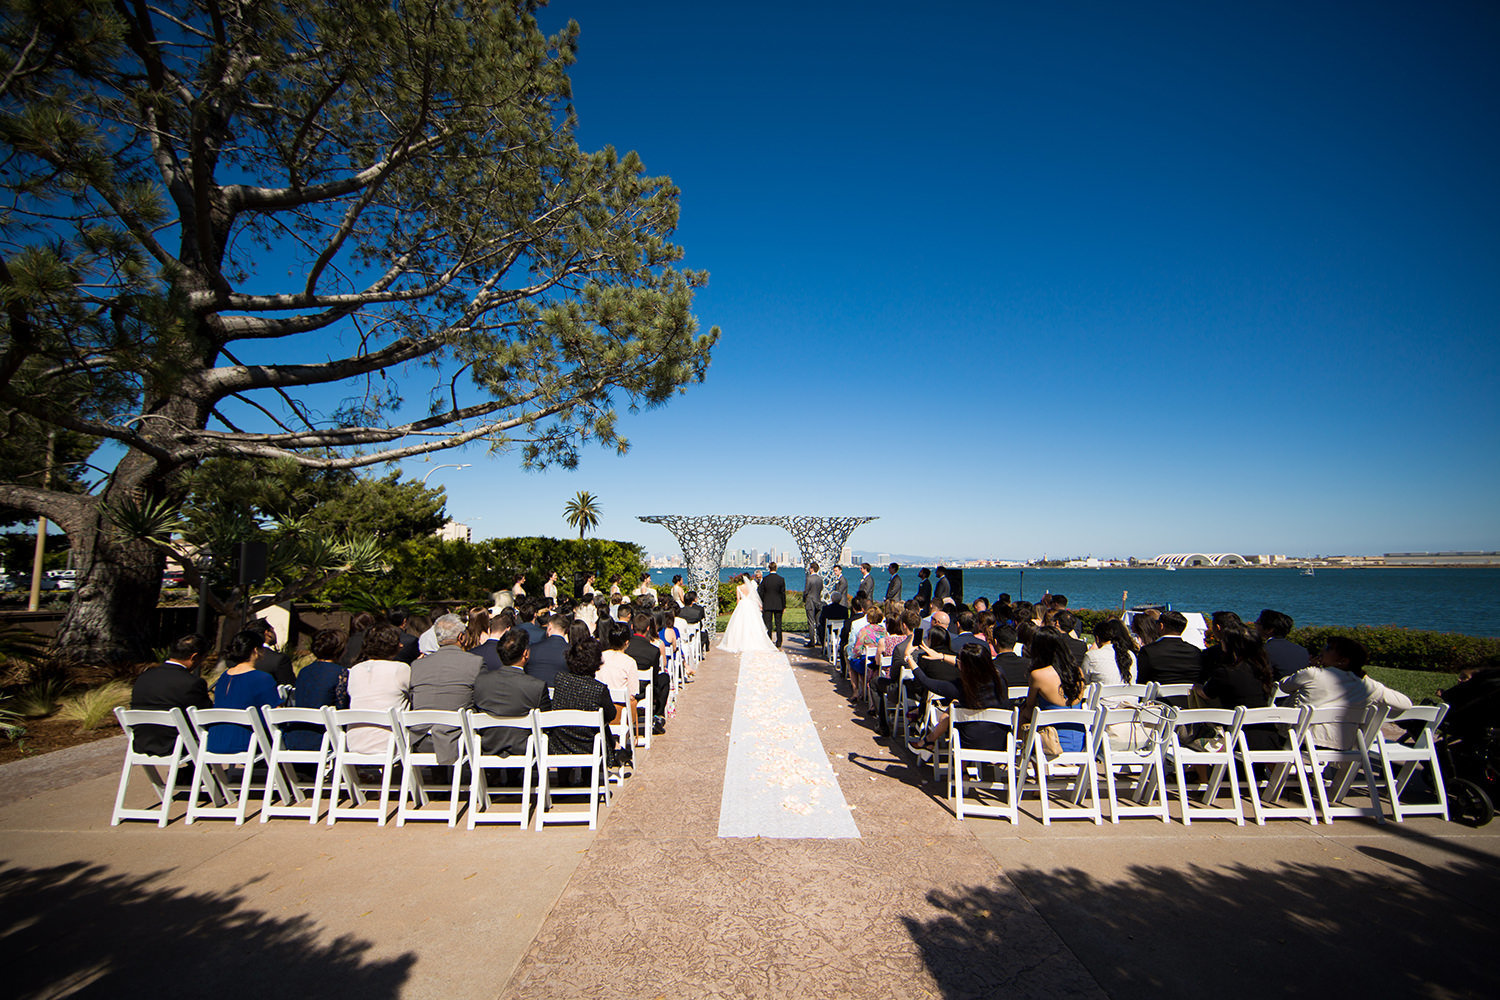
(1071, 279)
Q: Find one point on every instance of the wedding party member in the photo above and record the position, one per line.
(812, 604)
(549, 590)
(893, 588)
(772, 590)
(924, 588)
(678, 593)
(746, 631)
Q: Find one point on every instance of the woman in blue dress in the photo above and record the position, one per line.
(241, 686)
(1056, 682)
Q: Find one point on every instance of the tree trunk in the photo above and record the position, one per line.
(112, 618)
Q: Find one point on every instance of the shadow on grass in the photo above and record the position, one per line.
(78, 929)
(1237, 930)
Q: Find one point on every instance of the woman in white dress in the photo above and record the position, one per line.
(746, 631)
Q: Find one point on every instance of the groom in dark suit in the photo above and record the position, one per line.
(772, 601)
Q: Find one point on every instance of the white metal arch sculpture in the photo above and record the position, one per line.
(704, 537)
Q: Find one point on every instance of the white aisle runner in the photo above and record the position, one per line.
(777, 780)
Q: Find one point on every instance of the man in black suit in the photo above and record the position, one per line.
(1015, 668)
(272, 660)
(941, 590)
(550, 656)
(893, 589)
(647, 656)
(924, 589)
(772, 601)
(965, 634)
(692, 613)
(173, 684)
(508, 692)
(1170, 659)
(409, 650)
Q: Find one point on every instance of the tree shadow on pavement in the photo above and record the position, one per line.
(82, 930)
(1223, 932)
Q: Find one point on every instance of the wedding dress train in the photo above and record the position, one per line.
(746, 631)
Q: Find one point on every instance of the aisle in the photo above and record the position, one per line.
(777, 780)
(663, 906)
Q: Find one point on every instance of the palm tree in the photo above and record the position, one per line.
(582, 512)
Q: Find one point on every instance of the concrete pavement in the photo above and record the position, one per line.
(657, 904)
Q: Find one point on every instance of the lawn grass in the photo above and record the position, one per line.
(793, 619)
(1415, 684)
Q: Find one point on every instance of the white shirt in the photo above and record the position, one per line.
(549, 591)
(1099, 666)
(1329, 687)
(618, 672)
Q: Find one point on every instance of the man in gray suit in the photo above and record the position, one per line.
(509, 691)
(444, 680)
(893, 589)
(812, 602)
(866, 582)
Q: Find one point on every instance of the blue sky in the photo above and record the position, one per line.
(1060, 278)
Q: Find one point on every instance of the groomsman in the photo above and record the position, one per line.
(893, 589)
(812, 602)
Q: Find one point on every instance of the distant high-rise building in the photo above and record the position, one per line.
(846, 556)
(452, 531)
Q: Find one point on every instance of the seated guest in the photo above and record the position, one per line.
(358, 625)
(1214, 654)
(1243, 677)
(935, 657)
(1474, 702)
(241, 686)
(967, 631)
(322, 683)
(618, 670)
(579, 631)
(1144, 626)
(1337, 679)
(508, 692)
(409, 649)
(476, 632)
(1025, 611)
(577, 688)
(1286, 656)
(1056, 682)
(1170, 659)
(865, 648)
(444, 680)
(272, 660)
(1112, 660)
(1066, 622)
(1013, 666)
(550, 656)
(979, 687)
(526, 614)
(172, 684)
(379, 682)
(648, 655)
(486, 646)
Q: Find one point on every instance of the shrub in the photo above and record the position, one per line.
(38, 699)
(11, 727)
(96, 706)
(1406, 648)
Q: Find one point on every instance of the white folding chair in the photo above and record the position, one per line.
(1110, 694)
(1399, 761)
(210, 766)
(284, 693)
(880, 668)
(833, 637)
(1219, 758)
(1278, 764)
(306, 798)
(184, 750)
(482, 805)
(347, 761)
(414, 800)
(1156, 691)
(907, 702)
(645, 708)
(549, 760)
(1134, 766)
(1079, 765)
(998, 796)
(1333, 771)
(1017, 693)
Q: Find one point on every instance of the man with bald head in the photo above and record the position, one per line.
(444, 680)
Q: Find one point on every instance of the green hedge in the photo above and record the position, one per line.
(1389, 645)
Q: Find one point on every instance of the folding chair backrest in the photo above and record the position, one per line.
(1123, 692)
(1156, 691)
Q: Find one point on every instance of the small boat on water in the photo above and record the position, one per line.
(1307, 571)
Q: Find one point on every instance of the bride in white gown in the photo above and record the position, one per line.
(746, 631)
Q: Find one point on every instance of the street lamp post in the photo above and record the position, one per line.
(437, 467)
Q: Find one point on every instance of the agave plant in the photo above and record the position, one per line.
(140, 518)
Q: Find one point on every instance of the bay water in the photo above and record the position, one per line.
(1442, 599)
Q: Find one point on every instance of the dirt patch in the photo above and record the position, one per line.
(45, 735)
